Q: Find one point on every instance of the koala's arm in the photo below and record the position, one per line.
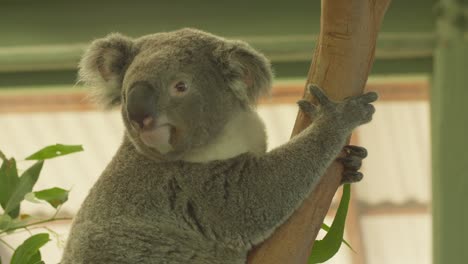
(261, 192)
(273, 186)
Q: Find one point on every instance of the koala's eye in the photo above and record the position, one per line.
(180, 87)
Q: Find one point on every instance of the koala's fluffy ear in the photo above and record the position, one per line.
(103, 67)
(248, 72)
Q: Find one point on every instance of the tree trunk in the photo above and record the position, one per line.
(342, 61)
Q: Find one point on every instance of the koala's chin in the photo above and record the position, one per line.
(157, 133)
(156, 145)
(158, 138)
(157, 141)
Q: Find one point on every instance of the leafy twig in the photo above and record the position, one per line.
(22, 231)
(35, 223)
(15, 189)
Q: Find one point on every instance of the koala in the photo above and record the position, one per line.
(192, 181)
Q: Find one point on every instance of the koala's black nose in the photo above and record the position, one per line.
(141, 104)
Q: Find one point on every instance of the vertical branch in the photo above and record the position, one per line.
(342, 61)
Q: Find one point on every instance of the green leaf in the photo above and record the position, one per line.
(326, 248)
(25, 185)
(2, 156)
(27, 253)
(54, 196)
(53, 151)
(5, 221)
(31, 197)
(36, 258)
(327, 228)
(8, 183)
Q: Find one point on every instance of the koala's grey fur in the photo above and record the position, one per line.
(207, 191)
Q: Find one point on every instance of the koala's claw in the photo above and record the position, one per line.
(355, 151)
(351, 177)
(319, 94)
(368, 97)
(306, 107)
(309, 108)
(352, 163)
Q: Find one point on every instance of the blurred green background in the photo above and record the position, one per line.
(41, 41)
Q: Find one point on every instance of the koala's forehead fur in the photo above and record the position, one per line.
(165, 55)
(225, 78)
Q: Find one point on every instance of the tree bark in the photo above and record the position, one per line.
(341, 64)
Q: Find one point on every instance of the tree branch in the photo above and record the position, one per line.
(342, 61)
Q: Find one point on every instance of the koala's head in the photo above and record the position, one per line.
(177, 90)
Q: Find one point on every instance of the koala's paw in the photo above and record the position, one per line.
(352, 163)
(351, 112)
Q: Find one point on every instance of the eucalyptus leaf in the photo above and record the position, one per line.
(54, 196)
(8, 182)
(27, 253)
(326, 248)
(36, 258)
(2, 156)
(5, 221)
(24, 186)
(327, 228)
(54, 151)
(31, 197)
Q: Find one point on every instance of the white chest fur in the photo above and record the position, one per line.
(244, 133)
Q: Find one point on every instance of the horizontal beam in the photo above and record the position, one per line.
(404, 90)
(409, 208)
(283, 70)
(278, 48)
(74, 99)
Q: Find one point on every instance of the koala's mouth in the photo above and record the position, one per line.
(158, 137)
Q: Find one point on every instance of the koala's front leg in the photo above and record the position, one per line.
(268, 188)
(354, 155)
